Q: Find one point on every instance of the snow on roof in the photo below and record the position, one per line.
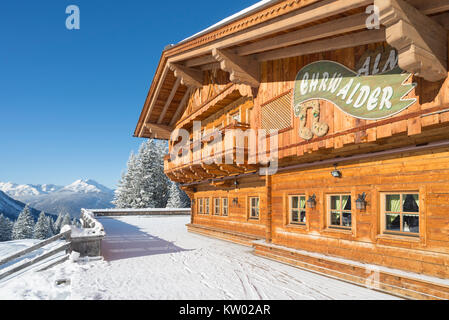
(245, 12)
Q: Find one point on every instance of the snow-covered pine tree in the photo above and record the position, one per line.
(42, 228)
(177, 198)
(57, 225)
(153, 184)
(127, 187)
(24, 225)
(5, 229)
(51, 227)
(144, 184)
(66, 221)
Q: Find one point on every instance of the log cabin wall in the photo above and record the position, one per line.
(425, 173)
(238, 218)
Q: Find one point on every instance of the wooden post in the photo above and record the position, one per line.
(269, 234)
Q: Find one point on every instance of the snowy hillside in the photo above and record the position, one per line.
(55, 199)
(11, 208)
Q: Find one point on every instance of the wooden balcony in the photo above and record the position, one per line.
(209, 161)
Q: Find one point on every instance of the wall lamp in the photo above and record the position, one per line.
(311, 203)
(336, 173)
(235, 201)
(361, 202)
(236, 184)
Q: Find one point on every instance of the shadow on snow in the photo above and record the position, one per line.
(124, 241)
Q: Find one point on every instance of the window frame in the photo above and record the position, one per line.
(290, 209)
(215, 212)
(329, 211)
(384, 212)
(206, 206)
(223, 207)
(200, 209)
(250, 216)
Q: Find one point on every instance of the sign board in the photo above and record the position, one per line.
(377, 90)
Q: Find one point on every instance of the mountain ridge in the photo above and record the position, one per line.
(83, 193)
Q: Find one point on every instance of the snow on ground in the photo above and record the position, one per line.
(156, 258)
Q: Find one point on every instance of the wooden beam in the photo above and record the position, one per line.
(313, 12)
(421, 42)
(243, 70)
(159, 131)
(442, 19)
(346, 41)
(192, 78)
(180, 107)
(430, 6)
(328, 29)
(153, 100)
(169, 100)
(200, 61)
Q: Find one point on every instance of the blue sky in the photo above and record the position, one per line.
(70, 100)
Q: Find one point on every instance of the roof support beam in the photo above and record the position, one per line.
(346, 41)
(430, 7)
(243, 70)
(421, 42)
(180, 107)
(155, 96)
(159, 131)
(191, 78)
(328, 29)
(169, 100)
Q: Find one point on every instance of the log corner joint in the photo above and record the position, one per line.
(243, 70)
(421, 42)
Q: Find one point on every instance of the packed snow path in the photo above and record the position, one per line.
(156, 258)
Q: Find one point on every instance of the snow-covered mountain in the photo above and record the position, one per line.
(11, 208)
(55, 199)
(25, 190)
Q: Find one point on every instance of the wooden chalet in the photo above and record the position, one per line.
(361, 112)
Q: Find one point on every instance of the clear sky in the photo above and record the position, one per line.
(70, 99)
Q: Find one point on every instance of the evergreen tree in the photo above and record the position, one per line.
(5, 229)
(177, 198)
(144, 184)
(24, 225)
(57, 225)
(51, 227)
(66, 221)
(127, 186)
(42, 228)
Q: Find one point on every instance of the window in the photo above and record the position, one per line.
(225, 206)
(200, 206)
(216, 206)
(206, 206)
(401, 213)
(298, 209)
(340, 211)
(254, 207)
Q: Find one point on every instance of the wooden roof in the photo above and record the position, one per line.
(285, 29)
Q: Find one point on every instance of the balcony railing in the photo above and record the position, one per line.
(215, 156)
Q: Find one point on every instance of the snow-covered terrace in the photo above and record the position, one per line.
(154, 257)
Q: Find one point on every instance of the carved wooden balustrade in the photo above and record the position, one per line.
(217, 157)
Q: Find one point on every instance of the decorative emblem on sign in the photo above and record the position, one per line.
(376, 91)
(319, 129)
